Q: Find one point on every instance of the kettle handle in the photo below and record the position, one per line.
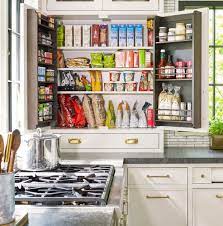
(39, 132)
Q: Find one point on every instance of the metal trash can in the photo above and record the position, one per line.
(7, 198)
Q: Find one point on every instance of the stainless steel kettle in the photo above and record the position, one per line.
(38, 152)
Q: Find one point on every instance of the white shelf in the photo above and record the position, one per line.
(104, 69)
(106, 93)
(108, 48)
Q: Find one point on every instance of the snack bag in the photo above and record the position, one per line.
(99, 109)
(78, 117)
(169, 100)
(110, 115)
(134, 118)
(176, 103)
(162, 101)
(143, 116)
(126, 115)
(119, 115)
(88, 111)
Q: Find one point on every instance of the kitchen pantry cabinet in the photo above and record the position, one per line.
(193, 90)
(103, 5)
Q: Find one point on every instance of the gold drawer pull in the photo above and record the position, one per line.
(132, 141)
(219, 196)
(157, 176)
(74, 141)
(158, 197)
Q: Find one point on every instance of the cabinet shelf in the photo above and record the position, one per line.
(173, 80)
(173, 42)
(105, 69)
(106, 93)
(45, 45)
(173, 121)
(46, 27)
(106, 48)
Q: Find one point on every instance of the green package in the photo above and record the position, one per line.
(97, 60)
(60, 34)
(109, 60)
(142, 58)
(110, 115)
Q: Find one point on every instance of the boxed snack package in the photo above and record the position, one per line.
(95, 34)
(68, 35)
(138, 35)
(77, 35)
(113, 36)
(130, 35)
(86, 35)
(142, 58)
(129, 62)
(120, 57)
(103, 35)
(122, 35)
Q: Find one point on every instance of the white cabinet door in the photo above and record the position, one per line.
(157, 207)
(128, 5)
(207, 207)
(73, 5)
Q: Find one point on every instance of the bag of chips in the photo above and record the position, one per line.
(134, 118)
(88, 111)
(110, 115)
(126, 115)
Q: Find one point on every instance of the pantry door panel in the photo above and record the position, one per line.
(128, 5)
(73, 5)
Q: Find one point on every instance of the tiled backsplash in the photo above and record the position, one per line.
(170, 6)
(174, 139)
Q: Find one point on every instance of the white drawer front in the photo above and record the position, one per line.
(217, 174)
(157, 208)
(201, 175)
(153, 176)
(110, 141)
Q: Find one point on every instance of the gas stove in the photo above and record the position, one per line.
(66, 185)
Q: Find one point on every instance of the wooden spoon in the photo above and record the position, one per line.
(1, 151)
(16, 141)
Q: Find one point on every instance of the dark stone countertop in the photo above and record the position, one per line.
(171, 155)
(177, 155)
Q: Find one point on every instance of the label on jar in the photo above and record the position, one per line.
(169, 71)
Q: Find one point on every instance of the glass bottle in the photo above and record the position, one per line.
(170, 68)
(162, 64)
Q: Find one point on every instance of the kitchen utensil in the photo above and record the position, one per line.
(8, 148)
(39, 152)
(1, 151)
(16, 141)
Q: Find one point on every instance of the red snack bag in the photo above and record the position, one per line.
(95, 35)
(78, 117)
(66, 110)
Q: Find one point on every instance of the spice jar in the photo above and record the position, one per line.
(189, 31)
(180, 69)
(171, 34)
(162, 34)
(189, 69)
(180, 31)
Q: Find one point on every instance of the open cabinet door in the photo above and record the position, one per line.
(193, 89)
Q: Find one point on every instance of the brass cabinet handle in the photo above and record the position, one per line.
(158, 176)
(74, 141)
(158, 197)
(219, 196)
(132, 141)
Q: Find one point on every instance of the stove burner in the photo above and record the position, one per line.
(85, 185)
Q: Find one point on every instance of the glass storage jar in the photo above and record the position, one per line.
(171, 34)
(162, 34)
(180, 31)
